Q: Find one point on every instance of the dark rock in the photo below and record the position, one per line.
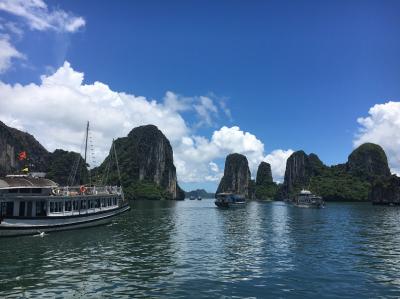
(12, 142)
(368, 162)
(386, 191)
(236, 177)
(300, 167)
(60, 166)
(145, 156)
(264, 174)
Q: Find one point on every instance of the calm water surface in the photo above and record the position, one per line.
(192, 249)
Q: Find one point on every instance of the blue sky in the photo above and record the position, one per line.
(296, 74)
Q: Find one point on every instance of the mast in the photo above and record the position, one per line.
(86, 141)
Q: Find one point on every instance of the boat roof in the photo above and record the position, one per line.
(25, 182)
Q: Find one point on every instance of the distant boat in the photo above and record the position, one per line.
(192, 197)
(199, 198)
(305, 199)
(229, 200)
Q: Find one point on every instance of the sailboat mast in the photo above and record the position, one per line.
(86, 141)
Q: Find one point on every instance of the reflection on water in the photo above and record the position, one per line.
(192, 249)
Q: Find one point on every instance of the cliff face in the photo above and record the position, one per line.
(348, 182)
(265, 188)
(264, 174)
(12, 142)
(236, 176)
(146, 162)
(300, 167)
(369, 162)
(386, 191)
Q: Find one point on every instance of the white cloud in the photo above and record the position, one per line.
(195, 153)
(382, 126)
(40, 17)
(56, 111)
(7, 53)
(277, 159)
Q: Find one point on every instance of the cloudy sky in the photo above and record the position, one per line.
(262, 78)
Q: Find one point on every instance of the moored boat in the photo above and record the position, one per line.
(32, 204)
(199, 198)
(229, 200)
(306, 199)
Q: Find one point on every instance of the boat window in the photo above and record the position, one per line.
(36, 190)
(29, 209)
(25, 190)
(12, 190)
(52, 210)
(114, 201)
(59, 207)
(103, 202)
(68, 206)
(6, 209)
(41, 208)
(97, 203)
(76, 205)
(83, 204)
(22, 208)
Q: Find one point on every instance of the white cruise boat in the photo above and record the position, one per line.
(31, 204)
(306, 199)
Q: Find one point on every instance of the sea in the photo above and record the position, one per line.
(192, 249)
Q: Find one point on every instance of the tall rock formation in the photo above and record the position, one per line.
(236, 176)
(146, 162)
(300, 167)
(265, 188)
(13, 142)
(264, 174)
(369, 162)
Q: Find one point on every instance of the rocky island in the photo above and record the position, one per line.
(237, 178)
(351, 181)
(146, 163)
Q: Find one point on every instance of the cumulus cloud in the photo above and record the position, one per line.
(277, 159)
(39, 17)
(194, 153)
(382, 126)
(7, 54)
(56, 110)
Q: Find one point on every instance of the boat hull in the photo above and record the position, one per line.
(20, 227)
(229, 204)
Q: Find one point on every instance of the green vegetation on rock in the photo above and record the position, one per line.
(344, 182)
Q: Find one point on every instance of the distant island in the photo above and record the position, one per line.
(199, 193)
(364, 177)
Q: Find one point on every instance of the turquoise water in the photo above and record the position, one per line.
(192, 249)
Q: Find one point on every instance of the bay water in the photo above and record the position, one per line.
(191, 249)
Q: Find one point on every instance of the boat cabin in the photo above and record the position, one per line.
(27, 196)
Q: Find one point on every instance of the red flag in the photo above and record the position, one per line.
(22, 155)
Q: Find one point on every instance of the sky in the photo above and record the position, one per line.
(262, 78)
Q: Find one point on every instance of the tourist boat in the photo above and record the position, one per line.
(31, 204)
(192, 197)
(229, 200)
(306, 199)
(199, 198)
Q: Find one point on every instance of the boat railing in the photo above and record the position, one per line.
(83, 190)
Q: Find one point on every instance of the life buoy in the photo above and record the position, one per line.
(82, 189)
